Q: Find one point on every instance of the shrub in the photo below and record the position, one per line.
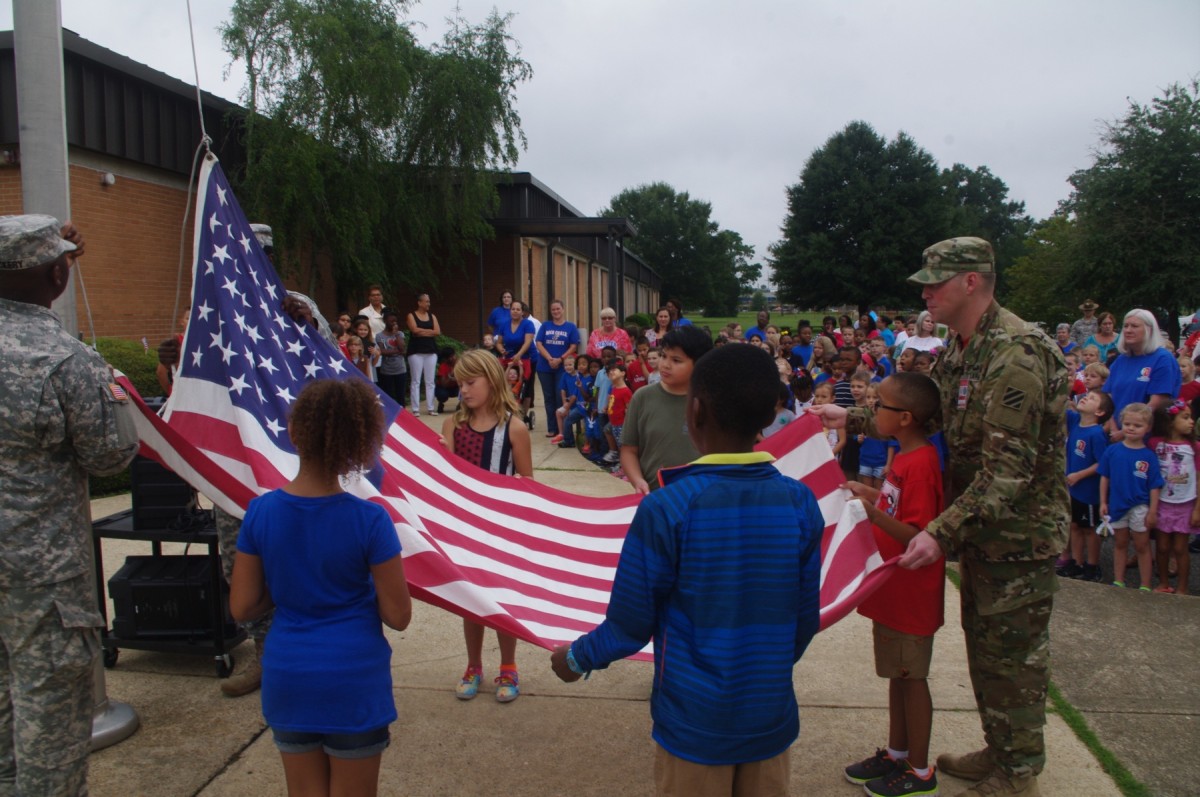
(643, 320)
(132, 359)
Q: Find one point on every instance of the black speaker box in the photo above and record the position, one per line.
(159, 496)
(157, 597)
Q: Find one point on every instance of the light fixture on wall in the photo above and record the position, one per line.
(108, 178)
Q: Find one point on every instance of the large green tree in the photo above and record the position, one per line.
(706, 267)
(1040, 285)
(865, 208)
(1137, 208)
(365, 144)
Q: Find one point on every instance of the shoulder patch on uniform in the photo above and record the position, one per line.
(118, 393)
(1013, 398)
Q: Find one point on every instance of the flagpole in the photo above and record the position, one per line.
(45, 188)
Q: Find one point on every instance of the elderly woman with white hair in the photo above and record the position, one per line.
(1144, 371)
(924, 338)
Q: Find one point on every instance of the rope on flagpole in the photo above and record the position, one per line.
(205, 144)
(204, 139)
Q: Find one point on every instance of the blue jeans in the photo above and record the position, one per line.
(551, 398)
(576, 415)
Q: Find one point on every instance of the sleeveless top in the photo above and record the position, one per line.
(490, 450)
(420, 344)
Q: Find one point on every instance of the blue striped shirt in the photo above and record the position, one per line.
(721, 568)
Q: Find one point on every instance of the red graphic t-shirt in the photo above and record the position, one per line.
(910, 601)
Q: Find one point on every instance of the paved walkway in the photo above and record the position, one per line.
(592, 738)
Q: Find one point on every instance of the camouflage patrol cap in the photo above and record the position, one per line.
(29, 241)
(952, 257)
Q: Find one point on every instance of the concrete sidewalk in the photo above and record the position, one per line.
(587, 738)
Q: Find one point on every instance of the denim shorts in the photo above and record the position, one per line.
(874, 473)
(336, 745)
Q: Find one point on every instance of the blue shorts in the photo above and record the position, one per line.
(336, 745)
(874, 473)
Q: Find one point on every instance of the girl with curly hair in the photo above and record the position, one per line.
(329, 564)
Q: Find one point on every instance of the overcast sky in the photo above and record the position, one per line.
(727, 100)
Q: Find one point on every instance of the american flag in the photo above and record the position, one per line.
(519, 556)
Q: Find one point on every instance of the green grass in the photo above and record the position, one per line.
(1126, 782)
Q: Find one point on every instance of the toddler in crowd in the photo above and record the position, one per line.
(783, 416)
(618, 402)
(802, 391)
(1095, 375)
(327, 667)
(872, 451)
(487, 431)
(653, 377)
(823, 394)
(1086, 443)
(1173, 441)
(568, 399)
(1078, 387)
(908, 609)
(1130, 484)
(1190, 387)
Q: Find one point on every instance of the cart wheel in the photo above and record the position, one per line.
(109, 657)
(225, 665)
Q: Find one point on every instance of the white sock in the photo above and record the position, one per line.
(897, 755)
(923, 774)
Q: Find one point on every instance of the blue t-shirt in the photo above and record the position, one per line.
(872, 453)
(889, 337)
(1132, 473)
(1137, 378)
(1085, 447)
(602, 386)
(498, 318)
(579, 387)
(327, 667)
(800, 356)
(762, 334)
(556, 338)
(513, 341)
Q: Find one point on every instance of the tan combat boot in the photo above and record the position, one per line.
(249, 679)
(1000, 783)
(968, 766)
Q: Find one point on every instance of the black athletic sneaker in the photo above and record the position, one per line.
(873, 768)
(1071, 569)
(903, 781)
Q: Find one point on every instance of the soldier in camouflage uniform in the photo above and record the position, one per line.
(1004, 389)
(61, 418)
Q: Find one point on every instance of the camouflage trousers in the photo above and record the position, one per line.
(1006, 620)
(48, 646)
(228, 528)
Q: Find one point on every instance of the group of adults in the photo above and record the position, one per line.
(541, 347)
(408, 353)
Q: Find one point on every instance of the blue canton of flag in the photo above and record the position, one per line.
(238, 335)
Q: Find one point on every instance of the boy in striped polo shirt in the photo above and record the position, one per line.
(721, 569)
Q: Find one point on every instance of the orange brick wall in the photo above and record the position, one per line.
(132, 230)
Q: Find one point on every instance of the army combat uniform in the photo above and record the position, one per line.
(61, 418)
(1004, 398)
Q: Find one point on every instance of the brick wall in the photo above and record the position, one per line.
(132, 230)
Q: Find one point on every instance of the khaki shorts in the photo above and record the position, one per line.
(676, 777)
(900, 655)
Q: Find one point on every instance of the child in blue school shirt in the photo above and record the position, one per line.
(1086, 444)
(1130, 483)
